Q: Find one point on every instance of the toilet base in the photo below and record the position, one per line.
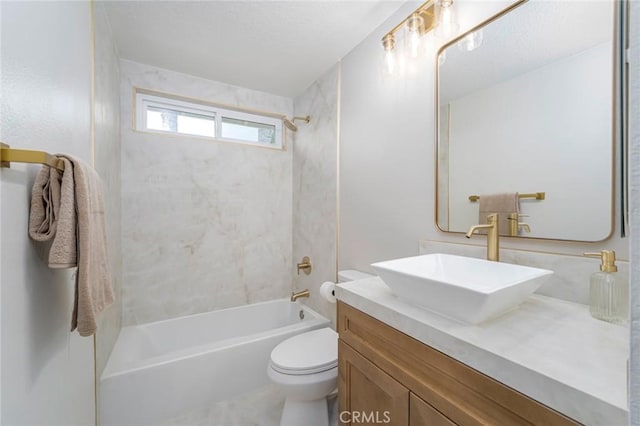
(307, 413)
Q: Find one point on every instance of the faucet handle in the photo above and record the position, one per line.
(492, 218)
(516, 216)
(525, 227)
(305, 265)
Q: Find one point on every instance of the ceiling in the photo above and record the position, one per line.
(278, 47)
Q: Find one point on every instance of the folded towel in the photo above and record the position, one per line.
(68, 207)
(503, 204)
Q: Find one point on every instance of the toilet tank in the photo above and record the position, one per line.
(352, 275)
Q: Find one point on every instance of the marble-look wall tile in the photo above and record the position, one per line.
(206, 225)
(571, 274)
(314, 188)
(107, 163)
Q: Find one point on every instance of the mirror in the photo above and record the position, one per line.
(525, 103)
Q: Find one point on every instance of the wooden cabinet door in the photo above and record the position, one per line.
(423, 414)
(368, 395)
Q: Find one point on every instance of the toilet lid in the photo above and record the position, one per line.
(311, 352)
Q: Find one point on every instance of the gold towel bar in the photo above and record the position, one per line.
(537, 196)
(9, 155)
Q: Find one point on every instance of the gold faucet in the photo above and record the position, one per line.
(515, 225)
(296, 296)
(493, 244)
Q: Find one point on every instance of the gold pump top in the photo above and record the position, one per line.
(607, 259)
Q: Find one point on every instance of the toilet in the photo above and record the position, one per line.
(305, 367)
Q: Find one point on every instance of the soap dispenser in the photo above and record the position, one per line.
(609, 290)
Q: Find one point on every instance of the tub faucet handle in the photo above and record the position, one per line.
(305, 265)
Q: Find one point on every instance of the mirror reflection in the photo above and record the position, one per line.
(525, 123)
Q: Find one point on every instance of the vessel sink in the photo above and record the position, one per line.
(467, 289)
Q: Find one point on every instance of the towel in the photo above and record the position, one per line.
(53, 214)
(503, 204)
(68, 207)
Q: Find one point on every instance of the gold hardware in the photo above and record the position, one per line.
(426, 11)
(537, 196)
(388, 42)
(298, 295)
(515, 225)
(305, 265)
(493, 239)
(607, 260)
(10, 155)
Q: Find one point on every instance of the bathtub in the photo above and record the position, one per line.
(160, 370)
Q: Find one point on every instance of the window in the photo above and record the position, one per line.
(167, 115)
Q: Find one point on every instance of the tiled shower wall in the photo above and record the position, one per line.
(314, 187)
(205, 225)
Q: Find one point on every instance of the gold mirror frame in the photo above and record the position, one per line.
(616, 136)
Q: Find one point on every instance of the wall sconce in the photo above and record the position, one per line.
(389, 43)
(447, 22)
(417, 24)
(415, 30)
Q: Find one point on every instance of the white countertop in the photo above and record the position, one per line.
(548, 349)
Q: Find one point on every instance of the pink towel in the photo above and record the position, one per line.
(68, 207)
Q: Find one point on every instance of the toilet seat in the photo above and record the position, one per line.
(307, 353)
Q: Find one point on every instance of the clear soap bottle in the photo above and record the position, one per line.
(609, 290)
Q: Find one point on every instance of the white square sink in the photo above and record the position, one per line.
(467, 289)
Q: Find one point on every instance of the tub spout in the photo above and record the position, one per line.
(296, 296)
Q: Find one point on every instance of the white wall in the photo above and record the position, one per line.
(206, 225)
(634, 164)
(314, 187)
(47, 372)
(387, 162)
(107, 163)
(525, 155)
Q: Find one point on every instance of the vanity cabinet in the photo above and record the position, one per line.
(387, 377)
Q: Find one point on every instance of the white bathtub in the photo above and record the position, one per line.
(160, 370)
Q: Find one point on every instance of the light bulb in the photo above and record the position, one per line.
(447, 25)
(389, 61)
(471, 41)
(414, 44)
(388, 43)
(415, 25)
(442, 58)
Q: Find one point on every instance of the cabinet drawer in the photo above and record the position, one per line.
(460, 393)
